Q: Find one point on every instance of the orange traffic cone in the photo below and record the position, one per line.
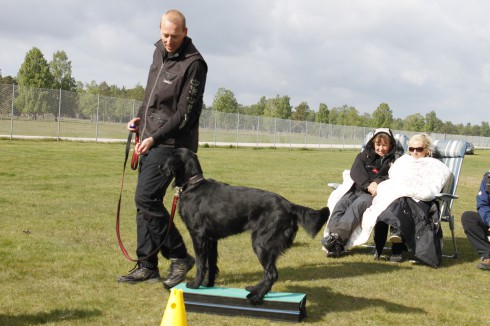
(174, 314)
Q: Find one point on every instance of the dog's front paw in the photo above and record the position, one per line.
(250, 288)
(254, 298)
(192, 285)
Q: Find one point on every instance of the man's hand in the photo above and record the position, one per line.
(133, 124)
(372, 188)
(144, 146)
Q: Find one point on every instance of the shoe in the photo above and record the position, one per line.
(140, 274)
(396, 258)
(395, 235)
(485, 264)
(333, 245)
(178, 270)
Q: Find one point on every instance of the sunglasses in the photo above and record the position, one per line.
(416, 149)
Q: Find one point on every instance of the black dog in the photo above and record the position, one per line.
(212, 210)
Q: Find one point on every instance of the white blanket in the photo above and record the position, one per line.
(420, 179)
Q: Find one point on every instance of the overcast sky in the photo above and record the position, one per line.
(417, 56)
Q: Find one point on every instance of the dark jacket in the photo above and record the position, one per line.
(174, 97)
(369, 166)
(483, 199)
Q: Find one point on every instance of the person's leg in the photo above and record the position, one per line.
(380, 236)
(477, 233)
(152, 219)
(331, 242)
(353, 216)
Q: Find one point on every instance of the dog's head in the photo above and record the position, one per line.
(182, 165)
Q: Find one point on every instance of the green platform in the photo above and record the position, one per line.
(233, 302)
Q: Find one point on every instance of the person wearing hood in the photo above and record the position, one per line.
(370, 168)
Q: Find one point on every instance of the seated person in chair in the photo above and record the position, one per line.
(476, 225)
(406, 203)
(370, 168)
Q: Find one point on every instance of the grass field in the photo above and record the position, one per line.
(60, 258)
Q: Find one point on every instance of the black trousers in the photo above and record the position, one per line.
(477, 233)
(152, 218)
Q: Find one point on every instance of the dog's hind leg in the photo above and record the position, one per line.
(258, 291)
(212, 263)
(267, 258)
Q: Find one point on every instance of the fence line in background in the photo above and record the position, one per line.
(27, 112)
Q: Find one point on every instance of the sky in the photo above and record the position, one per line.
(417, 56)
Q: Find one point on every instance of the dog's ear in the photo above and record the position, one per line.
(167, 168)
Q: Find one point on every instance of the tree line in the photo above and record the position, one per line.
(37, 72)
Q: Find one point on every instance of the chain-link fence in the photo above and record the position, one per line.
(46, 113)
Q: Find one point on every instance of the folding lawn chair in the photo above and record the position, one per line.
(451, 153)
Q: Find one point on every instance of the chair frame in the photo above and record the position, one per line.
(451, 153)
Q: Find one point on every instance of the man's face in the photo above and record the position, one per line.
(172, 35)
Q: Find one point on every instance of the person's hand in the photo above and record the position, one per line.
(144, 146)
(372, 188)
(133, 124)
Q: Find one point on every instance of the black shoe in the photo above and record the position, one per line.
(485, 264)
(140, 274)
(396, 258)
(333, 245)
(178, 270)
(395, 235)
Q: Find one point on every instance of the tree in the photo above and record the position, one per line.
(225, 101)
(34, 71)
(346, 115)
(414, 122)
(322, 115)
(382, 116)
(485, 129)
(278, 107)
(301, 112)
(432, 122)
(448, 128)
(60, 68)
(8, 80)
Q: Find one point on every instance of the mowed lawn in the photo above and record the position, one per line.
(60, 257)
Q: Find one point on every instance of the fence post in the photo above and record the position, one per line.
(258, 126)
(97, 119)
(12, 113)
(237, 127)
(214, 133)
(306, 132)
(275, 132)
(59, 116)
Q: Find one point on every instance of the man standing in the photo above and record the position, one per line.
(167, 119)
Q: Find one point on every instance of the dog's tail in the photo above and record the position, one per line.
(311, 220)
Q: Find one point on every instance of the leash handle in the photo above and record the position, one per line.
(135, 157)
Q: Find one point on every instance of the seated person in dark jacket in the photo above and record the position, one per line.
(369, 169)
(476, 225)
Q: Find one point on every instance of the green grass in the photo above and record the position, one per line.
(60, 258)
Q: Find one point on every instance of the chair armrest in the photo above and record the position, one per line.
(333, 185)
(445, 196)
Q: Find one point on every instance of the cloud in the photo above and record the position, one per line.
(417, 56)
